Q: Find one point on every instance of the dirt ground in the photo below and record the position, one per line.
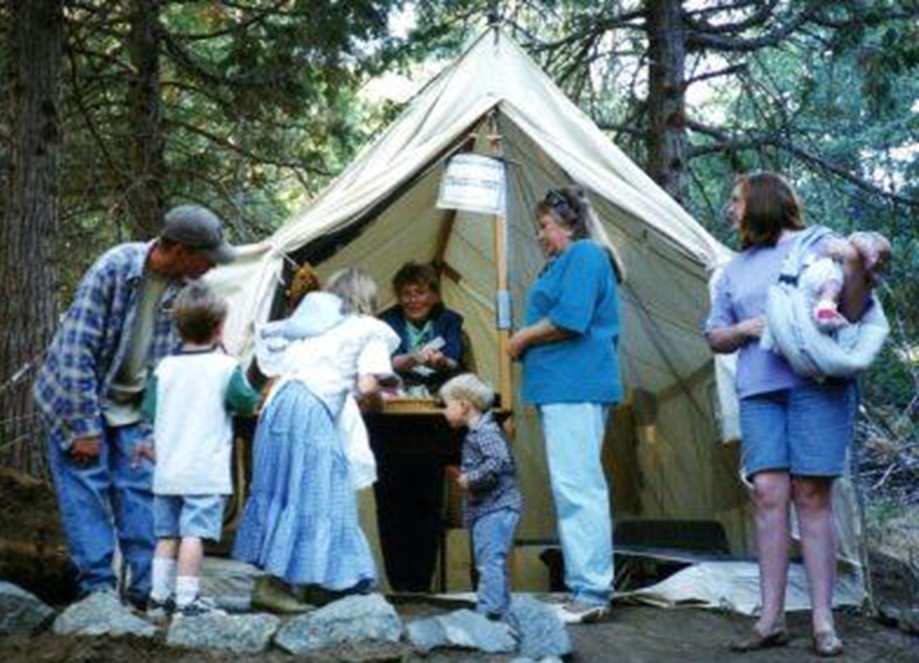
(32, 550)
(32, 555)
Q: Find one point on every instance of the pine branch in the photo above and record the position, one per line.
(228, 143)
(727, 71)
(726, 143)
(260, 15)
(764, 12)
(712, 41)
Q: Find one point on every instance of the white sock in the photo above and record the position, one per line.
(186, 589)
(163, 578)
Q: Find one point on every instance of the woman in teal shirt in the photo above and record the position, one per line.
(568, 347)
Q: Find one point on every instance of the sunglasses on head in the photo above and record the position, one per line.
(559, 203)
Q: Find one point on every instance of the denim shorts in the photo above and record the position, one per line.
(804, 430)
(176, 516)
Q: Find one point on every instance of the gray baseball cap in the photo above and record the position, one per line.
(198, 228)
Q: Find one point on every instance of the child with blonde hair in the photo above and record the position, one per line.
(488, 475)
(300, 522)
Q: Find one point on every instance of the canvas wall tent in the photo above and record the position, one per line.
(667, 460)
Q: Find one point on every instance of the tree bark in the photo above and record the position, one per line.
(667, 135)
(144, 195)
(28, 283)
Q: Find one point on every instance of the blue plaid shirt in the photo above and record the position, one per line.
(490, 471)
(90, 344)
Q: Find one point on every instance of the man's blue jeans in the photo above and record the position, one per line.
(492, 538)
(574, 443)
(105, 502)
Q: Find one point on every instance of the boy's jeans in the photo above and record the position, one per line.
(574, 441)
(104, 501)
(492, 538)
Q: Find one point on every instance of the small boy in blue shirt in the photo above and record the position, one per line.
(488, 475)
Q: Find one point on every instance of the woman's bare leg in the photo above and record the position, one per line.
(772, 499)
(812, 499)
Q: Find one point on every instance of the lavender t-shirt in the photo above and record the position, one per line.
(740, 294)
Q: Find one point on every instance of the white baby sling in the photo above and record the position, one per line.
(792, 332)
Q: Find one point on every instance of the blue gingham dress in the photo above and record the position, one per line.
(300, 522)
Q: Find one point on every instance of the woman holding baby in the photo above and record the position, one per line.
(794, 430)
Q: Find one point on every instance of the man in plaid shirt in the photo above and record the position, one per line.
(90, 386)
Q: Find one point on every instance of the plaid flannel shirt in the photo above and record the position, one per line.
(90, 344)
(489, 468)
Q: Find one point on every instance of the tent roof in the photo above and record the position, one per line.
(494, 76)
(496, 73)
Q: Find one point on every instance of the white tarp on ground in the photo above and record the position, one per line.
(734, 586)
(664, 452)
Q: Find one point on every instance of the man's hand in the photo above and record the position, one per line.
(86, 450)
(140, 451)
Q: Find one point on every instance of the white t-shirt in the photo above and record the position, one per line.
(193, 429)
(329, 364)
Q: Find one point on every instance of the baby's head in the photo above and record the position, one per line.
(199, 313)
(465, 398)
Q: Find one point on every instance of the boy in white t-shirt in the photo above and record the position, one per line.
(190, 401)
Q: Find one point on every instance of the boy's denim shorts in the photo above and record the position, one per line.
(177, 516)
(804, 430)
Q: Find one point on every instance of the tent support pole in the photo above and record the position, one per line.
(505, 385)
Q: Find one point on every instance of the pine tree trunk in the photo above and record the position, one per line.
(145, 193)
(28, 282)
(666, 140)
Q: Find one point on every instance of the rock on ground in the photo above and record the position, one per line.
(20, 611)
(542, 634)
(461, 628)
(101, 614)
(241, 634)
(352, 618)
(895, 582)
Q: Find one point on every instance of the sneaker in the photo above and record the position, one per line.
(581, 612)
(160, 610)
(135, 600)
(200, 607)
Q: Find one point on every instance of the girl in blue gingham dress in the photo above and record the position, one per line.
(300, 522)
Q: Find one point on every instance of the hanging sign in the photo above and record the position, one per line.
(473, 183)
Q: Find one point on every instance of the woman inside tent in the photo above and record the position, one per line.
(431, 349)
(410, 489)
(571, 373)
(794, 430)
